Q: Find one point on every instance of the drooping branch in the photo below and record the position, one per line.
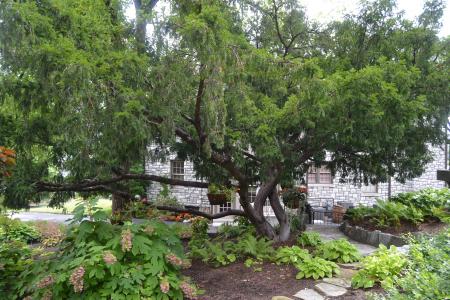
(231, 212)
(90, 185)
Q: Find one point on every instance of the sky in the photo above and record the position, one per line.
(328, 10)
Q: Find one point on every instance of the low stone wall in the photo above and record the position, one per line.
(373, 238)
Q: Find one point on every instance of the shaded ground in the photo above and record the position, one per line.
(237, 282)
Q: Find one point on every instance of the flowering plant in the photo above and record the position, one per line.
(99, 260)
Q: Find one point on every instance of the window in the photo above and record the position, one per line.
(225, 207)
(251, 194)
(177, 169)
(320, 175)
(369, 189)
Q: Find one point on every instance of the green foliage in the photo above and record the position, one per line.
(98, 260)
(293, 197)
(309, 239)
(15, 257)
(381, 266)
(214, 188)
(338, 250)
(316, 268)
(427, 273)
(199, 232)
(16, 230)
(425, 200)
(291, 255)
(220, 253)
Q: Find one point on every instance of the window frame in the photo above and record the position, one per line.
(177, 171)
(317, 172)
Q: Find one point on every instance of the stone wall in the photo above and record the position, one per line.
(319, 194)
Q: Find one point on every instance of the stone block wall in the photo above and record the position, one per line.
(319, 194)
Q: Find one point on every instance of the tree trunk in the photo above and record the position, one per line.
(261, 224)
(119, 203)
(280, 214)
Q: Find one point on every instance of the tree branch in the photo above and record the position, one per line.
(231, 212)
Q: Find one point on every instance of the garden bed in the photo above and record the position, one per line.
(236, 282)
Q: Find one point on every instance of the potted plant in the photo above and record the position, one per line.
(293, 196)
(219, 194)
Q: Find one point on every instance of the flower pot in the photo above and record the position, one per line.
(217, 199)
(338, 213)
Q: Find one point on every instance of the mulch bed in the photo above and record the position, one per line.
(236, 281)
(430, 227)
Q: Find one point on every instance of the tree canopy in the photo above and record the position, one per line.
(250, 91)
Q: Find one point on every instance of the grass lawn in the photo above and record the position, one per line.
(69, 206)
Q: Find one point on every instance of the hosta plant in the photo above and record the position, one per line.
(291, 255)
(316, 268)
(309, 238)
(381, 266)
(339, 251)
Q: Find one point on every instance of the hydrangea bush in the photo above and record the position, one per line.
(98, 260)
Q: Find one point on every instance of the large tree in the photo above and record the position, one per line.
(250, 91)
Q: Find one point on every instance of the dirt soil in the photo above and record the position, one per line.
(236, 282)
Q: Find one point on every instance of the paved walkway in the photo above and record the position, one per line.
(332, 232)
(40, 216)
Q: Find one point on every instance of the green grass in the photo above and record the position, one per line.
(69, 206)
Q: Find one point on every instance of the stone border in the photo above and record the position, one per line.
(373, 238)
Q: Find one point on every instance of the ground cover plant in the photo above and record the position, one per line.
(427, 272)
(380, 267)
(340, 250)
(309, 239)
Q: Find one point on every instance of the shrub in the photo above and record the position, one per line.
(15, 257)
(359, 214)
(427, 275)
(316, 268)
(250, 246)
(309, 238)
(424, 200)
(339, 251)
(291, 255)
(16, 230)
(200, 227)
(381, 266)
(99, 260)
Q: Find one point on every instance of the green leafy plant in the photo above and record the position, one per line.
(427, 274)
(200, 227)
(291, 255)
(339, 251)
(294, 197)
(99, 260)
(250, 246)
(381, 266)
(16, 230)
(15, 257)
(424, 200)
(316, 268)
(309, 238)
(165, 198)
(215, 188)
(358, 214)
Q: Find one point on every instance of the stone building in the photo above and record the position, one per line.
(324, 190)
